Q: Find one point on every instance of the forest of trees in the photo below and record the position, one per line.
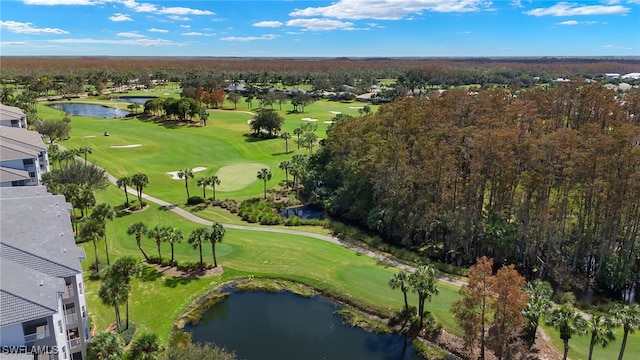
(546, 178)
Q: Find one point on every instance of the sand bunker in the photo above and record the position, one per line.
(309, 119)
(356, 107)
(174, 174)
(329, 122)
(89, 136)
(335, 112)
(125, 146)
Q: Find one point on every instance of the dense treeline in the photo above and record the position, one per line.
(546, 178)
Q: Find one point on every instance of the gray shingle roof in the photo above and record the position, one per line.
(22, 137)
(10, 112)
(8, 174)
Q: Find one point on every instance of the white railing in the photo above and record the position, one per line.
(36, 336)
(69, 293)
(71, 318)
(74, 342)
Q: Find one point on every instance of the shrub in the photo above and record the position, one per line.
(293, 220)
(189, 266)
(127, 334)
(195, 200)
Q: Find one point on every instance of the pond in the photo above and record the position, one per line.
(91, 110)
(304, 212)
(135, 99)
(280, 326)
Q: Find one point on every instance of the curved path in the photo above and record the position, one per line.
(332, 239)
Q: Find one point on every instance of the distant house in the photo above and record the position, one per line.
(23, 157)
(634, 75)
(367, 97)
(12, 116)
(42, 302)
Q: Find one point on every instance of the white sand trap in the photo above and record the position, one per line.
(89, 136)
(329, 122)
(309, 119)
(356, 107)
(174, 174)
(165, 94)
(125, 146)
(335, 112)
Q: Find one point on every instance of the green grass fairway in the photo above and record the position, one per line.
(238, 176)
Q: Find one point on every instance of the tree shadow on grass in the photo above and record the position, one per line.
(149, 274)
(174, 281)
(197, 208)
(167, 207)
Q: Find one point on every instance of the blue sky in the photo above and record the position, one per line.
(362, 28)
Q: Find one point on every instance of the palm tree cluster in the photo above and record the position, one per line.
(139, 181)
(171, 235)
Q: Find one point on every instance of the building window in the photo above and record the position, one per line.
(60, 326)
(32, 174)
(64, 352)
(80, 287)
(26, 162)
(84, 312)
(14, 122)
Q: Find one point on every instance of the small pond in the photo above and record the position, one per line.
(281, 326)
(304, 212)
(91, 110)
(135, 99)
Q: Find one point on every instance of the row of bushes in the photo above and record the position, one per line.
(188, 266)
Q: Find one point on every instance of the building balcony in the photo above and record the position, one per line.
(75, 342)
(36, 336)
(71, 318)
(69, 293)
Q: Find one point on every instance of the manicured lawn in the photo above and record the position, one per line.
(157, 300)
(223, 147)
(579, 346)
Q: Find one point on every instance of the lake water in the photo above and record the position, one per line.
(91, 110)
(135, 99)
(304, 212)
(281, 326)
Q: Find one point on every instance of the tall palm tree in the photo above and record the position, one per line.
(93, 230)
(139, 229)
(103, 212)
(85, 150)
(423, 283)
(285, 165)
(286, 136)
(215, 180)
(601, 328)
(298, 132)
(568, 322)
(114, 291)
(174, 236)
(214, 235)
(629, 317)
(196, 238)
(204, 182)
(539, 303)
(122, 183)
(126, 268)
(159, 233)
(140, 181)
(186, 174)
(265, 175)
(400, 281)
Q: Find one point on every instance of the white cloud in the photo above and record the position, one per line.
(568, 22)
(158, 30)
(575, 22)
(134, 42)
(389, 9)
(272, 24)
(185, 26)
(27, 28)
(179, 18)
(320, 24)
(183, 11)
(59, 2)
(250, 38)
(120, 17)
(196, 33)
(131, 35)
(575, 9)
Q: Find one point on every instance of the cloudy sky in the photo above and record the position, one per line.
(320, 28)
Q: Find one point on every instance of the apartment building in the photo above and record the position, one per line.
(23, 157)
(12, 116)
(43, 311)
